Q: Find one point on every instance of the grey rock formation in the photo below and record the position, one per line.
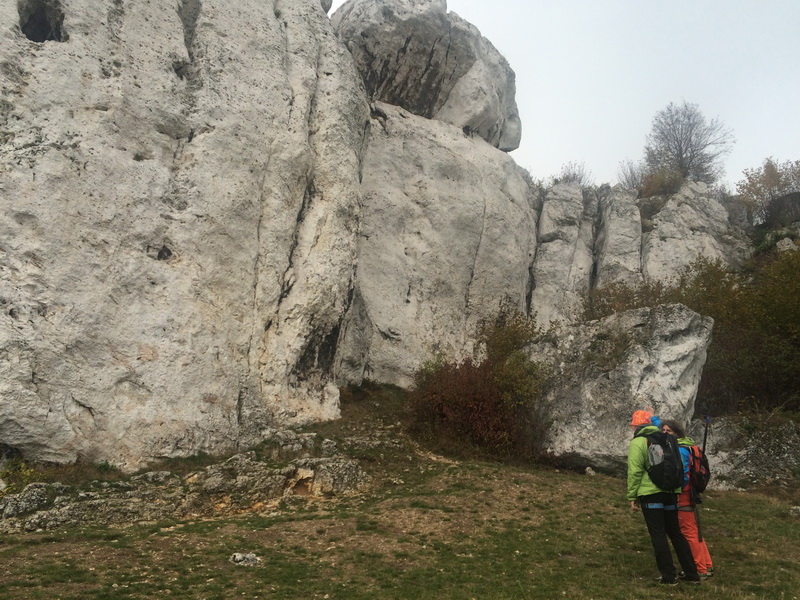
(416, 55)
(607, 369)
(618, 247)
(746, 452)
(691, 225)
(205, 228)
(448, 232)
(178, 225)
(565, 257)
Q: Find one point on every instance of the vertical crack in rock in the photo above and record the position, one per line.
(288, 280)
(239, 412)
(189, 11)
(531, 286)
(475, 260)
(115, 16)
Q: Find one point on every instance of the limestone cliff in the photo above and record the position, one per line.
(180, 205)
(212, 214)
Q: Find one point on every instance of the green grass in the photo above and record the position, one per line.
(453, 529)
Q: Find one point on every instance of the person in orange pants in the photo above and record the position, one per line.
(686, 506)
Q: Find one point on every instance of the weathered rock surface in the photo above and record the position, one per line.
(689, 226)
(415, 55)
(618, 247)
(607, 369)
(746, 453)
(448, 232)
(563, 268)
(204, 229)
(178, 225)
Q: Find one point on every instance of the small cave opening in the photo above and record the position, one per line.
(42, 20)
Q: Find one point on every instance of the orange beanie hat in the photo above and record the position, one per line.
(641, 417)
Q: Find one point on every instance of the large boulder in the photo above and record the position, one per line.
(416, 55)
(607, 369)
(448, 233)
(179, 223)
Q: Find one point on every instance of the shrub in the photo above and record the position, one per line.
(495, 404)
(661, 182)
(16, 474)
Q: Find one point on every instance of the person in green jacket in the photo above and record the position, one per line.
(659, 507)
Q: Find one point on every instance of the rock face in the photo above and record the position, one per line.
(744, 453)
(564, 262)
(448, 231)
(205, 226)
(607, 369)
(690, 225)
(416, 55)
(178, 224)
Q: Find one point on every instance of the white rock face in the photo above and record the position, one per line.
(565, 256)
(178, 225)
(204, 227)
(619, 240)
(448, 232)
(416, 55)
(690, 226)
(608, 369)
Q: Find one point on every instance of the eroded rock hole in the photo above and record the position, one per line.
(164, 254)
(302, 488)
(42, 20)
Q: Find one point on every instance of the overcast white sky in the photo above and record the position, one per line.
(591, 74)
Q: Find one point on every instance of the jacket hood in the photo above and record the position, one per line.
(686, 441)
(645, 430)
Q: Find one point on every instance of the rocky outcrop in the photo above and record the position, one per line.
(750, 451)
(618, 247)
(178, 228)
(448, 232)
(563, 268)
(206, 228)
(604, 370)
(240, 484)
(415, 55)
(691, 225)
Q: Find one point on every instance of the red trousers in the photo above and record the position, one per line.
(689, 529)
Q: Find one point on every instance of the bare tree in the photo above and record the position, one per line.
(683, 141)
(631, 175)
(574, 172)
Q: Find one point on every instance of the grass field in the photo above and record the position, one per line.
(429, 527)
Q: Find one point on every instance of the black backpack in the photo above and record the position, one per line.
(664, 458)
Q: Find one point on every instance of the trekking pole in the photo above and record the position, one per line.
(696, 510)
(697, 520)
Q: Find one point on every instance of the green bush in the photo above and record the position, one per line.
(495, 404)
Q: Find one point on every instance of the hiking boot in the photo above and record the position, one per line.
(709, 573)
(695, 580)
(663, 581)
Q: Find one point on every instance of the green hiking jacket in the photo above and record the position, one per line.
(639, 483)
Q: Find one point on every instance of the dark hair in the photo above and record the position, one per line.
(676, 427)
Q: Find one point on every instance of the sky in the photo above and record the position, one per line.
(592, 74)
